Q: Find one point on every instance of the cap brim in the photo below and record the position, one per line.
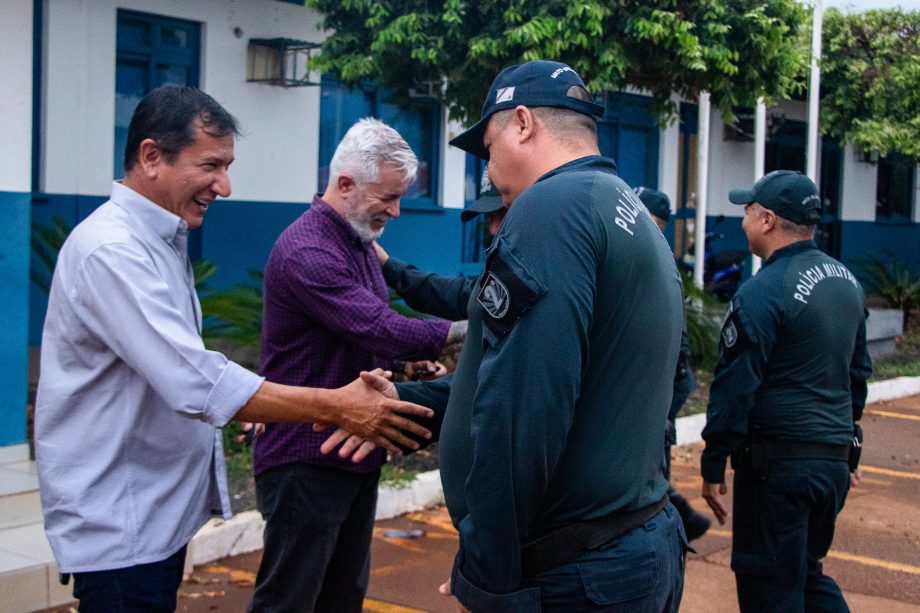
(741, 196)
(471, 140)
(486, 204)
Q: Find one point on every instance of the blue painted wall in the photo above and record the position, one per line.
(14, 315)
(238, 236)
(861, 239)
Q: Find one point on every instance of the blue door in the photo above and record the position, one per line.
(629, 133)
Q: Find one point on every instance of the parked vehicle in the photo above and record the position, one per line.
(722, 269)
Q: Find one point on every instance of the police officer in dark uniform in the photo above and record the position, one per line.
(551, 445)
(789, 386)
(440, 295)
(695, 523)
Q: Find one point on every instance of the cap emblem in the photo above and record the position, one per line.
(504, 94)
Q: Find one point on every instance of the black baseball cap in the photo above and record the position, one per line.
(788, 193)
(657, 203)
(536, 83)
(489, 199)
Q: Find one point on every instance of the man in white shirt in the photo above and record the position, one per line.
(130, 402)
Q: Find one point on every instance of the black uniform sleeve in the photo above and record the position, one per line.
(525, 403)
(432, 394)
(437, 295)
(860, 370)
(748, 335)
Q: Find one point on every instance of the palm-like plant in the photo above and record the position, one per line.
(703, 312)
(233, 314)
(47, 240)
(890, 279)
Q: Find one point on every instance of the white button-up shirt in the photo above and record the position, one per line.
(129, 454)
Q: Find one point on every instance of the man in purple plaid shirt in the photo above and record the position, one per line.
(327, 318)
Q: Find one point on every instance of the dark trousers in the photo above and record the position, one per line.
(643, 570)
(783, 526)
(146, 587)
(318, 527)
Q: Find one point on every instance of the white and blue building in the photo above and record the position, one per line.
(73, 70)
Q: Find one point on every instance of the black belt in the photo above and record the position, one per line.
(791, 450)
(568, 542)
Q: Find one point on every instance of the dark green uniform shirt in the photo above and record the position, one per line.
(793, 359)
(557, 405)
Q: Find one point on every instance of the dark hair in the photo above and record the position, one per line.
(169, 115)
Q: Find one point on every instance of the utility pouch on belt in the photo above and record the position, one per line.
(855, 448)
(751, 458)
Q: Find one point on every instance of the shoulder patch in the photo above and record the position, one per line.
(505, 294)
(494, 297)
(734, 338)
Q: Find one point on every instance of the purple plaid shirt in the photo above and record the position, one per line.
(326, 318)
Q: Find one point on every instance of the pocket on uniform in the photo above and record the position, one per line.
(629, 578)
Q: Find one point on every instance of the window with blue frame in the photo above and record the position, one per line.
(894, 190)
(150, 51)
(418, 122)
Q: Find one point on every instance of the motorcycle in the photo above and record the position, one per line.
(721, 269)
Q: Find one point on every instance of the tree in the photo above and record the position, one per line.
(870, 72)
(738, 50)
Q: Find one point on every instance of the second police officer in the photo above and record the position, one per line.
(788, 387)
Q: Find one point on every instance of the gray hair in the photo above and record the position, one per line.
(366, 147)
(796, 230)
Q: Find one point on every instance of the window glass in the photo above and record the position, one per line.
(417, 123)
(143, 63)
(894, 190)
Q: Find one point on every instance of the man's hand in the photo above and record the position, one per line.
(352, 444)
(371, 410)
(425, 370)
(445, 590)
(712, 494)
(855, 476)
(382, 255)
(250, 432)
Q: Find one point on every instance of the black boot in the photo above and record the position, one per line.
(695, 524)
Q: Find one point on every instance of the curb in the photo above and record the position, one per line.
(243, 533)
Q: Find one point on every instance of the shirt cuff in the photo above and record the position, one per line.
(393, 270)
(235, 387)
(477, 599)
(712, 468)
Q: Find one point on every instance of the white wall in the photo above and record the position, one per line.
(16, 95)
(668, 159)
(857, 200)
(276, 160)
(453, 166)
(731, 165)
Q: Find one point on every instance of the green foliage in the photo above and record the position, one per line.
(738, 50)
(395, 478)
(890, 279)
(870, 69)
(47, 241)
(905, 361)
(703, 314)
(234, 314)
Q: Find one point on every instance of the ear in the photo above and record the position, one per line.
(768, 221)
(525, 123)
(345, 184)
(149, 157)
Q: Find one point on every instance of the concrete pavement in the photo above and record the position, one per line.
(875, 556)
